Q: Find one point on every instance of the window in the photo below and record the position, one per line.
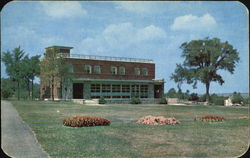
(116, 88)
(144, 91)
(95, 87)
(97, 69)
(135, 90)
(106, 88)
(137, 71)
(113, 70)
(122, 70)
(125, 88)
(87, 69)
(144, 71)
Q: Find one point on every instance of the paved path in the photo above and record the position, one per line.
(18, 140)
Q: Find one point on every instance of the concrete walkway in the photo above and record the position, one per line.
(18, 140)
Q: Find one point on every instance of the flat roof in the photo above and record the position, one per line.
(109, 58)
(66, 47)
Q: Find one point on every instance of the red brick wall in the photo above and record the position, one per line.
(78, 66)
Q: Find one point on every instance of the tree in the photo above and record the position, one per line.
(202, 60)
(7, 88)
(49, 70)
(54, 69)
(13, 63)
(30, 69)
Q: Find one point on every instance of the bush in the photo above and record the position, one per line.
(217, 100)
(102, 101)
(135, 100)
(81, 121)
(237, 98)
(163, 101)
(246, 102)
(193, 97)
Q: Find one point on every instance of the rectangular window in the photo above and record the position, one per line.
(125, 88)
(71, 68)
(137, 71)
(144, 71)
(87, 69)
(122, 70)
(116, 97)
(106, 88)
(97, 69)
(144, 91)
(135, 90)
(95, 88)
(113, 70)
(116, 88)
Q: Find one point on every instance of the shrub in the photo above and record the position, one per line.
(102, 101)
(193, 97)
(217, 100)
(135, 100)
(81, 121)
(237, 98)
(163, 101)
(246, 102)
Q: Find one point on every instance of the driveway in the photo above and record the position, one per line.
(18, 140)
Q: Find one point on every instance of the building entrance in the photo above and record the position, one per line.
(77, 90)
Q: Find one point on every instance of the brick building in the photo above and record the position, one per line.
(110, 77)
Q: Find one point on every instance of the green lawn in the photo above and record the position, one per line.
(125, 138)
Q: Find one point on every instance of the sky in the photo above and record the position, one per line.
(142, 29)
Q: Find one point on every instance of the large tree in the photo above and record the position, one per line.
(13, 63)
(54, 69)
(202, 60)
(30, 70)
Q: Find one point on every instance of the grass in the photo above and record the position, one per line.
(125, 138)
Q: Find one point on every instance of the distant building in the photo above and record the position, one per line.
(110, 77)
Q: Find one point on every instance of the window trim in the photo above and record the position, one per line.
(137, 74)
(145, 71)
(90, 69)
(99, 72)
(111, 70)
(122, 69)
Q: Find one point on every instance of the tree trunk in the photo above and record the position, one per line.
(32, 89)
(52, 88)
(18, 90)
(207, 91)
(28, 87)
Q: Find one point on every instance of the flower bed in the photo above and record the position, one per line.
(210, 119)
(244, 117)
(157, 120)
(81, 121)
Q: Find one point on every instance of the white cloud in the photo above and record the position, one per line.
(121, 36)
(150, 33)
(191, 22)
(143, 7)
(63, 9)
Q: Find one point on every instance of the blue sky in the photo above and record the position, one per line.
(153, 30)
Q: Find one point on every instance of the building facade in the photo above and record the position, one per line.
(108, 77)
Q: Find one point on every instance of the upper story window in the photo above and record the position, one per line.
(87, 69)
(97, 69)
(122, 70)
(144, 71)
(113, 70)
(137, 71)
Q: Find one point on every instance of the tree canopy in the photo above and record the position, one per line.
(53, 69)
(20, 68)
(202, 60)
